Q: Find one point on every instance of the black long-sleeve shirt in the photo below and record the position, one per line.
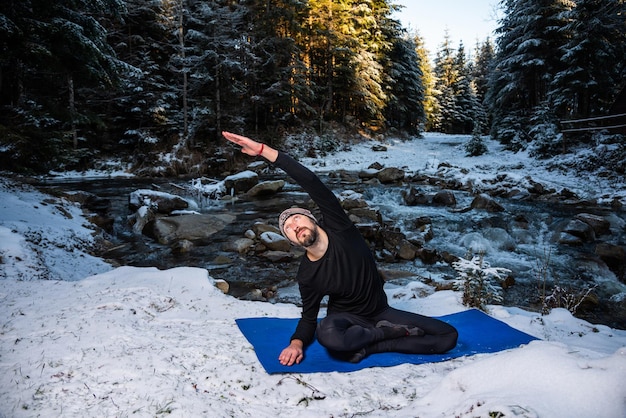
(347, 272)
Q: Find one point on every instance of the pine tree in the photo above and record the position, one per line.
(586, 86)
(405, 109)
(446, 76)
(481, 70)
(222, 66)
(281, 92)
(531, 34)
(431, 106)
(469, 111)
(51, 50)
(457, 99)
(145, 109)
(479, 282)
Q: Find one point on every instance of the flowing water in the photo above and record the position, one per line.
(526, 248)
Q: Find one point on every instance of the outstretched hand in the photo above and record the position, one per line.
(248, 146)
(251, 147)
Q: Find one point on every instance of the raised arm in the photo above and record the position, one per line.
(334, 216)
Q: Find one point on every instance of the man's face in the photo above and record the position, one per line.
(301, 230)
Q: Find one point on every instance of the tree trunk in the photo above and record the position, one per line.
(70, 88)
(218, 102)
(181, 39)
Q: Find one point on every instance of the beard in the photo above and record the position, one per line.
(309, 238)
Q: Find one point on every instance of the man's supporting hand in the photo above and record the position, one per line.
(294, 353)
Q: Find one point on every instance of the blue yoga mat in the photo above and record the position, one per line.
(478, 333)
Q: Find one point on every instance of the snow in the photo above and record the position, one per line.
(99, 341)
(426, 154)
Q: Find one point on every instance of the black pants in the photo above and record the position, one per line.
(344, 333)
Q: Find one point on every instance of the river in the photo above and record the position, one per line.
(530, 252)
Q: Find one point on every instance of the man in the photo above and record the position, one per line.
(339, 263)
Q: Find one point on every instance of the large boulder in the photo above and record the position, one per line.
(600, 225)
(274, 241)
(159, 202)
(444, 198)
(351, 200)
(580, 229)
(241, 182)
(266, 188)
(486, 202)
(194, 228)
(391, 175)
(414, 197)
(615, 258)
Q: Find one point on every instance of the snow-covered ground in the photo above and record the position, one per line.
(97, 341)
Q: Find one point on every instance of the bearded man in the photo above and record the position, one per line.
(339, 264)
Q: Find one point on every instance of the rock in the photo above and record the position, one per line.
(182, 246)
(428, 256)
(580, 229)
(344, 176)
(486, 202)
(414, 197)
(266, 188)
(241, 182)
(517, 194)
(104, 222)
(500, 238)
(274, 241)
(240, 245)
(195, 228)
(222, 285)
(615, 258)
(568, 194)
(392, 239)
(611, 251)
(444, 198)
(368, 173)
(449, 258)
(569, 239)
(221, 260)
(157, 201)
(277, 256)
(538, 188)
(259, 227)
(599, 225)
(258, 166)
(366, 214)
(350, 200)
(89, 201)
(390, 175)
(406, 250)
(379, 148)
(370, 231)
(616, 203)
(254, 295)
(141, 218)
(421, 222)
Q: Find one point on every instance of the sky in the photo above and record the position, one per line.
(465, 20)
(144, 342)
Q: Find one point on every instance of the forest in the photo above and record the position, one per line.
(86, 80)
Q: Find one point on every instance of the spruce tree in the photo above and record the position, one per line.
(586, 86)
(431, 106)
(52, 50)
(530, 37)
(446, 76)
(405, 108)
(481, 71)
